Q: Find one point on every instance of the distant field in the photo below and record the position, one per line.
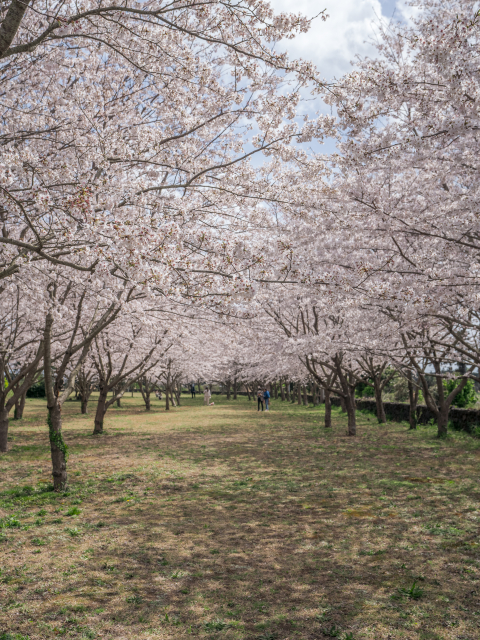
(220, 522)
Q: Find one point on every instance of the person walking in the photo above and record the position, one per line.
(260, 399)
(192, 389)
(206, 396)
(266, 397)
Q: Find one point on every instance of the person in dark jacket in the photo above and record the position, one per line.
(192, 390)
(266, 397)
(260, 399)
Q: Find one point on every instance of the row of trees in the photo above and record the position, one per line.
(140, 239)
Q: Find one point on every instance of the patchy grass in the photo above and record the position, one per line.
(220, 522)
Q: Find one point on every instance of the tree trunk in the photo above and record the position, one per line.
(442, 422)
(321, 395)
(299, 394)
(100, 413)
(20, 406)
(413, 399)
(3, 430)
(235, 389)
(167, 399)
(147, 400)
(287, 391)
(84, 406)
(248, 392)
(119, 403)
(351, 413)
(328, 410)
(343, 404)
(228, 389)
(305, 396)
(381, 417)
(58, 447)
(282, 391)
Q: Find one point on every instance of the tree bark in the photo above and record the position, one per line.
(11, 23)
(442, 422)
(100, 413)
(381, 417)
(84, 406)
(228, 385)
(287, 390)
(282, 391)
(235, 388)
(299, 394)
(351, 413)
(343, 404)
(19, 407)
(328, 410)
(413, 399)
(4, 430)
(305, 396)
(58, 447)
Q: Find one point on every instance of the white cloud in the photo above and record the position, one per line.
(333, 44)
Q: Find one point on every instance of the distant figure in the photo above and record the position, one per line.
(266, 397)
(260, 399)
(192, 389)
(206, 395)
(159, 394)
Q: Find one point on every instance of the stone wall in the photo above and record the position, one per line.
(461, 419)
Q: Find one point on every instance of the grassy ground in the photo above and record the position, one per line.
(218, 522)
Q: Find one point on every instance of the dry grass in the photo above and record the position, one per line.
(218, 522)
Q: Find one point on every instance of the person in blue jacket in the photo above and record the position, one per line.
(266, 397)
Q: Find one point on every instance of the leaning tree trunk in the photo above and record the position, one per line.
(20, 406)
(3, 430)
(328, 410)
(100, 413)
(381, 417)
(177, 396)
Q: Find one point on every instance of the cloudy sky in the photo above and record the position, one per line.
(334, 43)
